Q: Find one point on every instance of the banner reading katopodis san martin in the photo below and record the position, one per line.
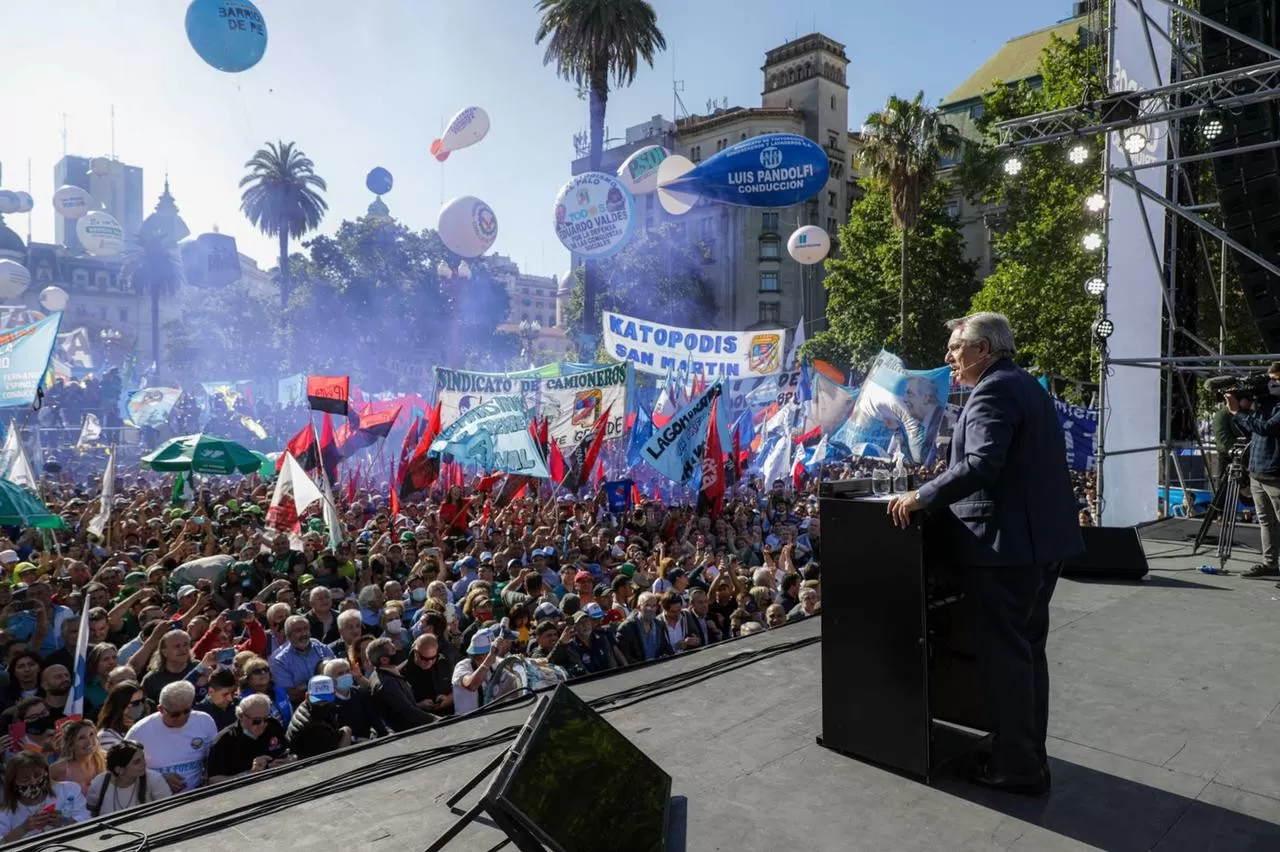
(661, 350)
(572, 401)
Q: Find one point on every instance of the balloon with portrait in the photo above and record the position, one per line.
(465, 129)
(14, 279)
(230, 35)
(100, 234)
(809, 244)
(595, 215)
(73, 202)
(467, 226)
(54, 299)
(379, 181)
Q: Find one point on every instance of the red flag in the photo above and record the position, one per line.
(394, 500)
(353, 484)
(635, 495)
(737, 453)
(329, 393)
(406, 449)
(582, 461)
(513, 487)
(484, 516)
(302, 446)
(329, 452)
(711, 494)
(369, 427)
(556, 464)
(489, 480)
(599, 478)
(421, 470)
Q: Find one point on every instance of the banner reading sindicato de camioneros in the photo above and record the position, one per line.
(661, 350)
(571, 401)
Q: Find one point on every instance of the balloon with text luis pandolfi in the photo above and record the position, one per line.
(72, 202)
(773, 170)
(14, 279)
(639, 172)
(595, 215)
(465, 129)
(467, 226)
(379, 181)
(54, 299)
(9, 202)
(100, 234)
(809, 244)
(230, 35)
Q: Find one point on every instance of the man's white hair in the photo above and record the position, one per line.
(348, 617)
(178, 695)
(277, 608)
(989, 326)
(255, 701)
(319, 592)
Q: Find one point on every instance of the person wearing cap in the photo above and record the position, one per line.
(314, 728)
(604, 598)
(472, 673)
(468, 572)
(589, 651)
(584, 584)
(8, 559)
(257, 742)
(392, 694)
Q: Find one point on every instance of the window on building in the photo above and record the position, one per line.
(833, 101)
(721, 143)
(101, 312)
(831, 198)
(122, 314)
(769, 282)
(80, 277)
(953, 208)
(769, 221)
(833, 140)
(648, 201)
(770, 248)
(770, 312)
(695, 153)
(526, 302)
(708, 226)
(976, 111)
(831, 225)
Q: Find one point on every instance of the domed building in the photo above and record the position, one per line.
(11, 245)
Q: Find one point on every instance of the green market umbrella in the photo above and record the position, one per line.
(20, 508)
(268, 468)
(201, 453)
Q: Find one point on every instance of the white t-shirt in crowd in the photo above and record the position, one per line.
(675, 635)
(180, 751)
(464, 700)
(66, 798)
(119, 798)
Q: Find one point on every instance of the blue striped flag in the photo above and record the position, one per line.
(80, 677)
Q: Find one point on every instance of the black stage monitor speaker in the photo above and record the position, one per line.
(1113, 552)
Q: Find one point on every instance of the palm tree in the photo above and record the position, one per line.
(903, 147)
(591, 42)
(281, 199)
(155, 268)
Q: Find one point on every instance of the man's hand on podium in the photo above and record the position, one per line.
(901, 507)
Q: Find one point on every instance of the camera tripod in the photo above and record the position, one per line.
(1225, 504)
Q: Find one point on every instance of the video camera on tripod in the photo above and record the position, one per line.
(1250, 386)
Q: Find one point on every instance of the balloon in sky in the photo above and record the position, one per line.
(379, 181)
(100, 166)
(809, 244)
(53, 298)
(72, 201)
(9, 202)
(595, 214)
(230, 35)
(467, 226)
(14, 278)
(100, 234)
(25, 202)
(210, 261)
(639, 172)
(467, 128)
(773, 170)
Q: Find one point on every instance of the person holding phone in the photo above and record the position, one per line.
(34, 803)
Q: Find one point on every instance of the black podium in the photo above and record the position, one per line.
(900, 684)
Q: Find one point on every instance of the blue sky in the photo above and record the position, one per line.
(358, 85)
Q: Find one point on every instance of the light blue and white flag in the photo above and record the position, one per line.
(897, 409)
(676, 449)
(493, 435)
(80, 677)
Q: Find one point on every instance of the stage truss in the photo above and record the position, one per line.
(1186, 92)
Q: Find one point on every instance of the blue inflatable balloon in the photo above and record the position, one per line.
(379, 181)
(230, 35)
(773, 170)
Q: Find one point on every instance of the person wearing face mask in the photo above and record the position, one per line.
(314, 728)
(640, 637)
(126, 782)
(355, 708)
(1262, 421)
(1004, 512)
(39, 724)
(33, 803)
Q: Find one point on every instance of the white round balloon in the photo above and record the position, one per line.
(73, 201)
(809, 244)
(14, 279)
(639, 172)
(54, 299)
(25, 202)
(100, 166)
(100, 234)
(467, 226)
(595, 215)
(9, 202)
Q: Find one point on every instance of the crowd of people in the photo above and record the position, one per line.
(220, 646)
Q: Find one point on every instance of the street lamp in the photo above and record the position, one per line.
(529, 333)
(110, 337)
(444, 271)
(464, 271)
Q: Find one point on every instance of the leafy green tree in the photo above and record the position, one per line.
(591, 42)
(230, 332)
(658, 276)
(282, 199)
(1042, 265)
(902, 147)
(864, 283)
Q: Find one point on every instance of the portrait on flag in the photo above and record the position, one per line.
(494, 436)
(897, 410)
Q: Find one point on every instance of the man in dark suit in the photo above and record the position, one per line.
(1005, 509)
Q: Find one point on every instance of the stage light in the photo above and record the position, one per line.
(1095, 286)
(1135, 141)
(1078, 153)
(1096, 203)
(1103, 328)
(1212, 123)
(1092, 241)
(1013, 166)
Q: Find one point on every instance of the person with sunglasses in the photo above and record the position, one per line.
(176, 737)
(125, 705)
(256, 742)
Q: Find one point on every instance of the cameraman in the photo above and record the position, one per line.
(1262, 420)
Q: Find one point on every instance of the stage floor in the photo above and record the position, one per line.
(1164, 736)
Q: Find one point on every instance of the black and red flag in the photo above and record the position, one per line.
(367, 428)
(407, 447)
(329, 452)
(711, 493)
(512, 487)
(329, 393)
(422, 470)
(302, 447)
(582, 461)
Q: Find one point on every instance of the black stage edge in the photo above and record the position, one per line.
(1183, 531)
